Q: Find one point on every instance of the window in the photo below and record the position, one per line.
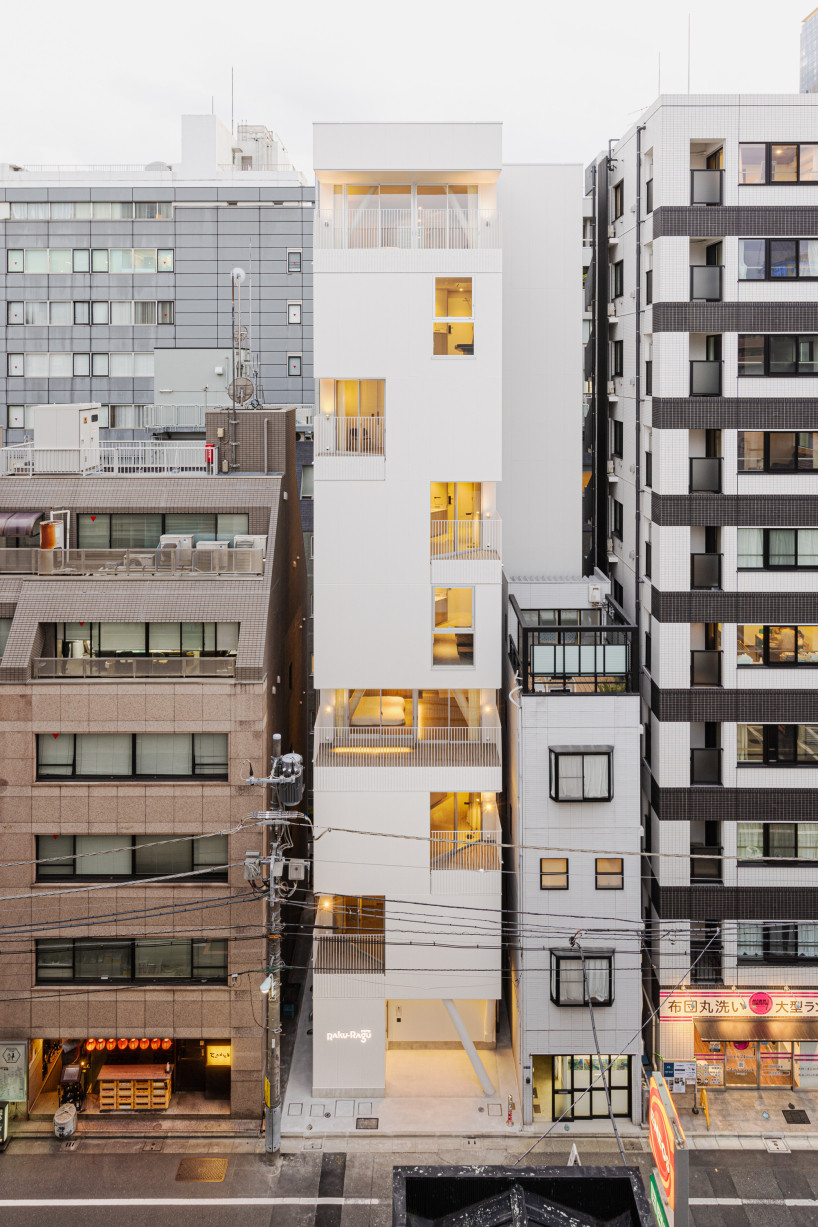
(618, 199)
(580, 773)
(142, 530)
(791, 841)
(772, 549)
(82, 312)
(617, 514)
(778, 355)
(610, 874)
(164, 261)
(294, 365)
(619, 279)
(307, 473)
(108, 857)
(648, 287)
(553, 873)
(16, 365)
(648, 559)
(123, 755)
(84, 210)
(164, 313)
(649, 377)
(776, 162)
(777, 942)
(570, 987)
(648, 642)
(780, 647)
(293, 261)
(82, 366)
(63, 960)
(618, 355)
(144, 313)
(572, 1075)
(453, 635)
(293, 312)
(128, 639)
(649, 469)
(783, 745)
(617, 592)
(453, 327)
(617, 435)
(777, 451)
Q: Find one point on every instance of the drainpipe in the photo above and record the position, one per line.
(467, 1042)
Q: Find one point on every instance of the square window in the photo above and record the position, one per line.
(121, 260)
(581, 773)
(99, 366)
(144, 312)
(294, 364)
(121, 313)
(82, 366)
(164, 260)
(15, 313)
(81, 260)
(82, 312)
(293, 312)
(144, 260)
(293, 261)
(17, 416)
(15, 261)
(60, 260)
(36, 260)
(99, 313)
(16, 364)
(571, 986)
(165, 313)
(553, 873)
(99, 261)
(610, 873)
(453, 635)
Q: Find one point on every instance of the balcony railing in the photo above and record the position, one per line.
(706, 187)
(107, 459)
(705, 863)
(477, 851)
(165, 562)
(705, 765)
(407, 229)
(348, 953)
(705, 571)
(705, 282)
(466, 539)
(348, 436)
(705, 474)
(408, 746)
(125, 668)
(705, 377)
(705, 667)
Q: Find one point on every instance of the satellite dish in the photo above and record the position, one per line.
(240, 390)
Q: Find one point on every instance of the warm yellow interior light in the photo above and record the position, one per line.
(372, 750)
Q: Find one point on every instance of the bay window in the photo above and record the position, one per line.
(581, 773)
(570, 987)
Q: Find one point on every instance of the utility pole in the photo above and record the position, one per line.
(286, 780)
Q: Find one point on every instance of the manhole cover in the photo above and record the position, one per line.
(776, 1146)
(795, 1116)
(366, 1122)
(210, 1170)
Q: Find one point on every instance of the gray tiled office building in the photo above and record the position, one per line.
(119, 289)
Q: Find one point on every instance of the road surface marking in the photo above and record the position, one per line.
(752, 1201)
(69, 1202)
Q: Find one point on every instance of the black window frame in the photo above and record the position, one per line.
(554, 873)
(163, 516)
(618, 199)
(648, 559)
(295, 366)
(648, 472)
(799, 339)
(555, 753)
(774, 746)
(58, 874)
(617, 518)
(558, 957)
(648, 377)
(648, 287)
(798, 449)
(609, 873)
(769, 856)
(200, 776)
(617, 437)
(780, 930)
(766, 565)
(41, 945)
(618, 357)
(618, 592)
(768, 181)
(768, 262)
(618, 279)
(765, 649)
(595, 1101)
(295, 262)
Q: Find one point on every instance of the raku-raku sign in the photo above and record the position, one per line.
(362, 1035)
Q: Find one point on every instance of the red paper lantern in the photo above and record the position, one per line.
(155, 1044)
(166, 1044)
(133, 1045)
(100, 1045)
(90, 1045)
(122, 1045)
(143, 1044)
(110, 1045)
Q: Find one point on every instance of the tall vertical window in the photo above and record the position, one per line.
(453, 635)
(453, 328)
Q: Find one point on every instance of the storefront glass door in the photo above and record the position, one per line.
(740, 1064)
(775, 1064)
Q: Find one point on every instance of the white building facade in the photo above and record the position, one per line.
(408, 597)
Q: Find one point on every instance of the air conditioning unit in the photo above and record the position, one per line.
(611, 466)
(609, 545)
(595, 594)
(250, 541)
(182, 541)
(612, 309)
(611, 387)
(612, 232)
(209, 546)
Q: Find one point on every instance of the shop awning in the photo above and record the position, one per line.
(758, 1029)
(19, 523)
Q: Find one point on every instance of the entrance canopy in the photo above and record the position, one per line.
(772, 1029)
(19, 523)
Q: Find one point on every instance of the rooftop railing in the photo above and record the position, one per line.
(143, 458)
(407, 229)
(165, 562)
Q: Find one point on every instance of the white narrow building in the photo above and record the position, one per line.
(408, 600)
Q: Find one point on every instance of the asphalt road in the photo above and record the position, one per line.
(108, 1183)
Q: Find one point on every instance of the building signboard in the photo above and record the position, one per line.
(13, 1070)
(683, 1005)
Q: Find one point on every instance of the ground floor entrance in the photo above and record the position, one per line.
(561, 1085)
(754, 1063)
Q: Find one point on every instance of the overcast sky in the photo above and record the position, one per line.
(106, 82)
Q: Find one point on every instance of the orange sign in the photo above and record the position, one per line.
(662, 1143)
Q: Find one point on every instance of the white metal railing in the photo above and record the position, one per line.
(164, 562)
(348, 436)
(466, 539)
(123, 668)
(132, 458)
(189, 417)
(469, 850)
(408, 746)
(348, 953)
(421, 229)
